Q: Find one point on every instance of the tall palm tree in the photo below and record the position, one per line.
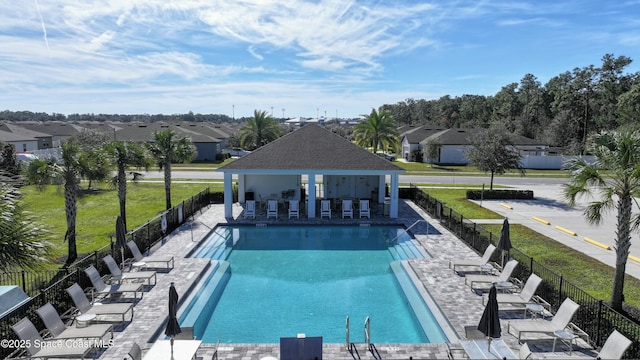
(615, 177)
(377, 129)
(40, 172)
(166, 149)
(260, 130)
(69, 171)
(123, 155)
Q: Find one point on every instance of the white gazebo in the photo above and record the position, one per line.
(276, 170)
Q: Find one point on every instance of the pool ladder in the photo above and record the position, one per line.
(352, 347)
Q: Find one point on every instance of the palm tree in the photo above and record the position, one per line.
(615, 176)
(69, 171)
(260, 130)
(41, 172)
(22, 240)
(377, 129)
(166, 149)
(123, 155)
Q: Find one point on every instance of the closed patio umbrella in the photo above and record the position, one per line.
(490, 321)
(504, 243)
(121, 236)
(173, 328)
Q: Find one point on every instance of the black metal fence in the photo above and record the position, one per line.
(50, 286)
(595, 317)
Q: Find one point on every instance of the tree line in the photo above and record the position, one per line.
(563, 112)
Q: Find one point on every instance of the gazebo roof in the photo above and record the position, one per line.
(311, 148)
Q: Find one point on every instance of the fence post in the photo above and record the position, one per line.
(598, 322)
(473, 238)
(95, 255)
(24, 282)
(560, 289)
(531, 264)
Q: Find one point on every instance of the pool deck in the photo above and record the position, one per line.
(461, 306)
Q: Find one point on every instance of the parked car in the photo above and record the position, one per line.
(237, 152)
(387, 156)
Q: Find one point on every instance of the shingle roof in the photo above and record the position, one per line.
(461, 137)
(311, 148)
(415, 135)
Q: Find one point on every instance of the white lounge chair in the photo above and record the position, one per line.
(614, 347)
(505, 275)
(453, 264)
(325, 208)
(118, 276)
(58, 330)
(36, 347)
(524, 297)
(84, 306)
(250, 209)
(146, 260)
(364, 209)
(272, 209)
(294, 209)
(536, 326)
(104, 290)
(347, 208)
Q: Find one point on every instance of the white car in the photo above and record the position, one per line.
(236, 152)
(25, 157)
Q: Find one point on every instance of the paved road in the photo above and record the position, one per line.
(548, 205)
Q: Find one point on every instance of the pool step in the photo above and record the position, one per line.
(406, 250)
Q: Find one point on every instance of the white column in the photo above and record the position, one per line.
(393, 191)
(228, 195)
(311, 204)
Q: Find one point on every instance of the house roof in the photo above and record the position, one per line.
(53, 128)
(23, 132)
(144, 132)
(311, 148)
(415, 134)
(461, 137)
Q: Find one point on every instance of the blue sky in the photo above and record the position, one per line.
(306, 57)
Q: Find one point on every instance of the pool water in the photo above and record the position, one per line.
(282, 281)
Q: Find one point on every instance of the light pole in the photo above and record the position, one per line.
(317, 113)
(272, 111)
(282, 113)
(233, 112)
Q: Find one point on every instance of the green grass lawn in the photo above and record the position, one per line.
(589, 274)
(98, 209)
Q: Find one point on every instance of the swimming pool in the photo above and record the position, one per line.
(278, 281)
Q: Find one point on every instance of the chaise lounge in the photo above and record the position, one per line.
(137, 255)
(118, 276)
(523, 297)
(453, 264)
(536, 326)
(58, 330)
(104, 290)
(36, 347)
(505, 275)
(85, 307)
